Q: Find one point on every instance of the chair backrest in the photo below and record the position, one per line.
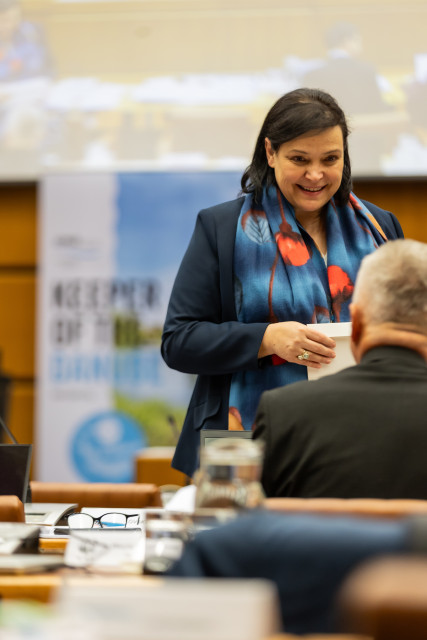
(101, 494)
(385, 598)
(153, 465)
(367, 507)
(11, 509)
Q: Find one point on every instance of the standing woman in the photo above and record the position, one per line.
(260, 268)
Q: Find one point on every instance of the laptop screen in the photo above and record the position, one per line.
(15, 460)
(207, 436)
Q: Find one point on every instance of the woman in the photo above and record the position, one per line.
(260, 268)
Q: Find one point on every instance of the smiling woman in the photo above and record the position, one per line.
(261, 268)
(308, 172)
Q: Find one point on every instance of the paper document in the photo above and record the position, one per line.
(340, 332)
(102, 549)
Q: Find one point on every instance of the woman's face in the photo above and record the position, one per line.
(309, 169)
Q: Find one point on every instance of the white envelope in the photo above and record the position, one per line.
(340, 332)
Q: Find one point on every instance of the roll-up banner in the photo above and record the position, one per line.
(109, 249)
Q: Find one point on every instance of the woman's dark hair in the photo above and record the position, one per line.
(295, 114)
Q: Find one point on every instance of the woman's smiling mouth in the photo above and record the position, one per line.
(311, 189)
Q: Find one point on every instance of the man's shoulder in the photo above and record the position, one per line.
(298, 391)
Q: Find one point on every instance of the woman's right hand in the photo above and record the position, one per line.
(288, 340)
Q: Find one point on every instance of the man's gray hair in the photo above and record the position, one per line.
(391, 285)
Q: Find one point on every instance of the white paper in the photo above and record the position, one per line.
(103, 549)
(184, 500)
(340, 332)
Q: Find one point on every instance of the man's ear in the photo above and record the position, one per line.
(356, 322)
(356, 316)
(269, 152)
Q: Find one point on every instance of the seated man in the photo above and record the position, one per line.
(361, 432)
(307, 557)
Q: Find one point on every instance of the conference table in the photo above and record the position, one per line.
(44, 587)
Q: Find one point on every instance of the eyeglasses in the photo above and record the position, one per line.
(106, 521)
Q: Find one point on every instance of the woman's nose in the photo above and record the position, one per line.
(314, 172)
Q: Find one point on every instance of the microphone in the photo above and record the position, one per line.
(174, 427)
(8, 431)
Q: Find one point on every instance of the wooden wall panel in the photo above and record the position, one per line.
(18, 257)
(20, 418)
(407, 199)
(18, 226)
(17, 323)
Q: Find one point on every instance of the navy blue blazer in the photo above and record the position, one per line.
(201, 334)
(307, 557)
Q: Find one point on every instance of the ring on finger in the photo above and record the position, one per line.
(304, 355)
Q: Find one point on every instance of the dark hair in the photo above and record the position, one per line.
(295, 114)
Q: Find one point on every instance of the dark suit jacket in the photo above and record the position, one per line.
(359, 433)
(201, 333)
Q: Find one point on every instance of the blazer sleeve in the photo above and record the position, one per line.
(196, 339)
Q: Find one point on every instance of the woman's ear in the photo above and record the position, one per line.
(270, 153)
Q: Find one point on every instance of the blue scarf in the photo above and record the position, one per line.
(280, 275)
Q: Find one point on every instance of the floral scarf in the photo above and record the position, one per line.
(280, 275)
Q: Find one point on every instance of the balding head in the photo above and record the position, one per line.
(391, 291)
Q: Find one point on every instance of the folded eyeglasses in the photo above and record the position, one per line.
(111, 520)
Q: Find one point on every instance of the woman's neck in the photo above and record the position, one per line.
(314, 224)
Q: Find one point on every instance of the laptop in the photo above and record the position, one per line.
(48, 513)
(207, 436)
(15, 461)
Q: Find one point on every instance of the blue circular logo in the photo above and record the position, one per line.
(103, 447)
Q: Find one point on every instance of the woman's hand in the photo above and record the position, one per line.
(288, 340)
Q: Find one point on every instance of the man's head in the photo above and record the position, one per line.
(344, 36)
(390, 297)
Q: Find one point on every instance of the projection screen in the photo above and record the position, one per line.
(185, 84)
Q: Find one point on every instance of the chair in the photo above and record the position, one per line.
(321, 636)
(11, 509)
(386, 598)
(102, 494)
(153, 464)
(365, 507)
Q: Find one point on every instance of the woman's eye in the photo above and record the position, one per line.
(298, 159)
(331, 159)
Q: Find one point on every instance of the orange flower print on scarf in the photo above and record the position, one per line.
(341, 288)
(291, 246)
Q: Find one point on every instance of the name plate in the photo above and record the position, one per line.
(175, 609)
